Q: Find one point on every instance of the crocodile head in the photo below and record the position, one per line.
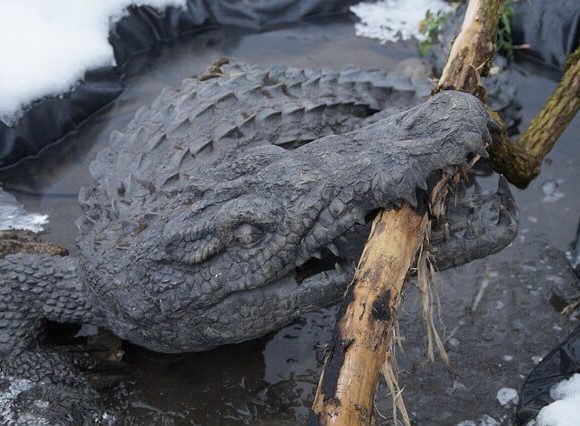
(266, 233)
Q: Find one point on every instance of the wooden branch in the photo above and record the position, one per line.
(473, 49)
(364, 328)
(520, 161)
(366, 320)
(513, 161)
(560, 109)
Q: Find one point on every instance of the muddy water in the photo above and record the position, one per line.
(495, 319)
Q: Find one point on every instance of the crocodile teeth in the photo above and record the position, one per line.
(114, 208)
(504, 217)
(503, 188)
(333, 249)
(317, 255)
(487, 137)
(397, 177)
(411, 198)
(493, 126)
(463, 165)
(482, 152)
(469, 231)
(193, 259)
(338, 268)
(477, 188)
(343, 239)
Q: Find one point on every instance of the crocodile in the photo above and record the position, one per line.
(242, 199)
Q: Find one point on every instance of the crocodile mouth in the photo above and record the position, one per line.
(322, 281)
(478, 223)
(328, 261)
(343, 252)
(323, 278)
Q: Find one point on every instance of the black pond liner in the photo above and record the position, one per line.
(558, 365)
(551, 28)
(51, 118)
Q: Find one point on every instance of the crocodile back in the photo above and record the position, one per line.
(165, 148)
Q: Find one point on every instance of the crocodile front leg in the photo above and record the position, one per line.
(35, 288)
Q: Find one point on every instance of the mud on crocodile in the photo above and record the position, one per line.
(233, 204)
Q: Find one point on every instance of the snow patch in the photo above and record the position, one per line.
(536, 359)
(508, 358)
(507, 396)
(394, 20)
(551, 192)
(8, 396)
(486, 420)
(47, 45)
(566, 388)
(13, 215)
(565, 410)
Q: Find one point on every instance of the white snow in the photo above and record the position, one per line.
(565, 410)
(394, 20)
(47, 45)
(508, 358)
(551, 192)
(536, 359)
(507, 396)
(8, 395)
(13, 215)
(566, 388)
(485, 420)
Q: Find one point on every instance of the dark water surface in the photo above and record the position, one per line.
(495, 315)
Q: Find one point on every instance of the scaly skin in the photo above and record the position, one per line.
(214, 219)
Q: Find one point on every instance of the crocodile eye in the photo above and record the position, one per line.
(248, 235)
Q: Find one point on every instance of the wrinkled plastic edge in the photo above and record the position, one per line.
(551, 29)
(52, 118)
(560, 364)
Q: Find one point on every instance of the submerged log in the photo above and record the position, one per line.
(365, 327)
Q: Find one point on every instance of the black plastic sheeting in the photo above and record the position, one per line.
(575, 253)
(551, 28)
(51, 118)
(558, 365)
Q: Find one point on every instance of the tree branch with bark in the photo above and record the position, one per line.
(520, 161)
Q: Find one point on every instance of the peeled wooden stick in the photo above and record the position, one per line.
(367, 319)
(365, 326)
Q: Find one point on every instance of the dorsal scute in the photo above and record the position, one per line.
(164, 147)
